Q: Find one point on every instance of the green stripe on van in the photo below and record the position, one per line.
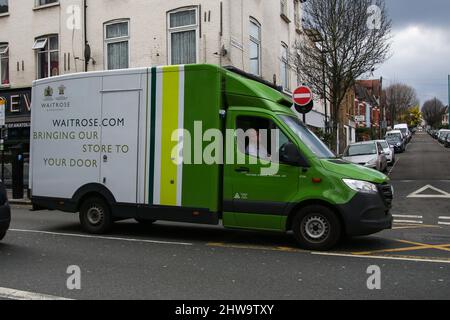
(152, 135)
(170, 105)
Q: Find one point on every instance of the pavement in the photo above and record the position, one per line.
(180, 261)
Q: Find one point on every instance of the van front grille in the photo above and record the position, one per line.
(387, 194)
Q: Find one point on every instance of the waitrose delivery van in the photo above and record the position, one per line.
(125, 144)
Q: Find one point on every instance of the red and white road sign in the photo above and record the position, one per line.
(303, 96)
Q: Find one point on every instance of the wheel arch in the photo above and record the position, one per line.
(293, 209)
(93, 190)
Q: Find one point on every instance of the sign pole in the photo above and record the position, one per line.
(303, 99)
(449, 101)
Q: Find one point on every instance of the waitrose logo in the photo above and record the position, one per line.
(56, 105)
(54, 102)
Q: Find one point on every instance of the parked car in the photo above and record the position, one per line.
(396, 143)
(389, 151)
(369, 154)
(5, 211)
(403, 127)
(441, 134)
(400, 135)
(447, 140)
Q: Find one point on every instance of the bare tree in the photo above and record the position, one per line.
(432, 112)
(345, 39)
(399, 99)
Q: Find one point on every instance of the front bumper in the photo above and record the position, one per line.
(367, 214)
(5, 217)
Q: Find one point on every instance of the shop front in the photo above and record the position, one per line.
(15, 134)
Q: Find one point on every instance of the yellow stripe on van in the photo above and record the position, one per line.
(170, 101)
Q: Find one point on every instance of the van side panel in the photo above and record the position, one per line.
(59, 165)
(180, 96)
(202, 183)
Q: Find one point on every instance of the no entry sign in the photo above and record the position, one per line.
(303, 99)
(303, 96)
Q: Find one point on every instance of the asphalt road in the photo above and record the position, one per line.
(177, 261)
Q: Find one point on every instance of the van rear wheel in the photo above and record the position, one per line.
(2, 234)
(95, 216)
(317, 228)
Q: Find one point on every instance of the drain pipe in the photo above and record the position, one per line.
(86, 44)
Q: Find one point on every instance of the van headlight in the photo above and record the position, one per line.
(361, 186)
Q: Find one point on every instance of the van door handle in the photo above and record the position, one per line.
(242, 170)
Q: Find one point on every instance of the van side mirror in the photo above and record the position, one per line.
(289, 154)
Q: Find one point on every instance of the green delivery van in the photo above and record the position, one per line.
(172, 143)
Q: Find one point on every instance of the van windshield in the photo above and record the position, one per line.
(308, 137)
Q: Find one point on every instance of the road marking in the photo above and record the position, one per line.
(254, 247)
(13, 294)
(444, 218)
(414, 226)
(418, 193)
(408, 222)
(398, 258)
(443, 247)
(444, 223)
(408, 217)
(392, 169)
(75, 235)
(335, 254)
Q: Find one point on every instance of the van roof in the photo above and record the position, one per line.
(237, 83)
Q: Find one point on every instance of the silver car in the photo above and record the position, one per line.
(388, 151)
(369, 154)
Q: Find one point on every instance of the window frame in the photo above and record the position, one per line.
(194, 27)
(297, 14)
(4, 56)
(107, 41)
(284, 64)
(4, 14)
(38, 5)
(258, 42)
(48, 52)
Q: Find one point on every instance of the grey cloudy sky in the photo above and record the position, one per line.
(420, 48)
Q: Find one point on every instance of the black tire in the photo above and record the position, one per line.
(317, 228)
(95, 216)
(145, 222)
(2, 235)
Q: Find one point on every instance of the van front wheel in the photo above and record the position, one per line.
(316, 228)
(95, 216)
